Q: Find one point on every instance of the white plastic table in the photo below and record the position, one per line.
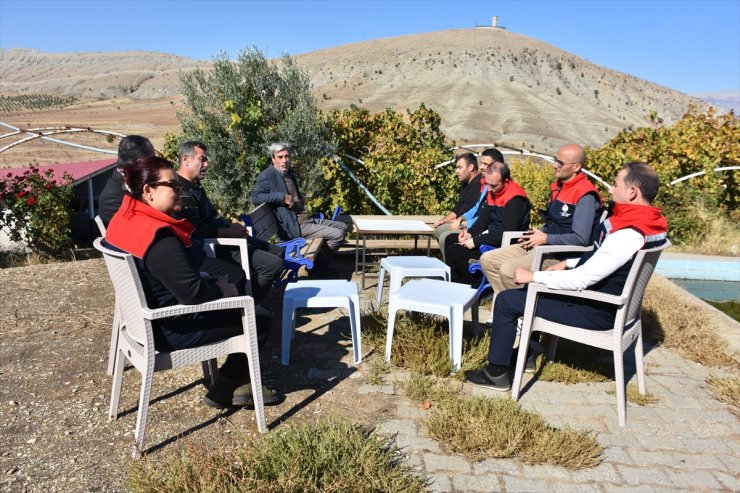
(400, 267)
(389, 227)
(321, 294)
(448, 299)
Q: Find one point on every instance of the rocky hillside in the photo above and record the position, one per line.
(489, 85)
(95, 75)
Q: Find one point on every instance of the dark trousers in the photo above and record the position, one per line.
(509, 307)
(458, 258)
(265, 264)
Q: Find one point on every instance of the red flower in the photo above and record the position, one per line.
(10, 175)
(30, 201)
(49, 186)
(22, 194)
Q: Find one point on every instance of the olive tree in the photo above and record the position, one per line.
(238, 108)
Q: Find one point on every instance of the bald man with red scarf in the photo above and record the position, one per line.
(633, 224)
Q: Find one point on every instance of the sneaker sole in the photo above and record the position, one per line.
(490, 387)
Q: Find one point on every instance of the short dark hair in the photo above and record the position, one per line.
(503, 169)
(494, 154)
(188, 148)
(143, 171)
(133, 147)
(469, 159)
(644, 177)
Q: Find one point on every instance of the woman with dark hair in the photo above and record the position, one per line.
(168, 268)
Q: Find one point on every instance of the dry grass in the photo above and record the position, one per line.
(331, 456)
(376, 370)
(482, 427)
(726, 390)
(634, 396)
(719, 236)
(680, 323)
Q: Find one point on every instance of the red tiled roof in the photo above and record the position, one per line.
(80, 171)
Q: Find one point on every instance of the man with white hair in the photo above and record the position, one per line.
(277, 187)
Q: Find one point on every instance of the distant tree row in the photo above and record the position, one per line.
(22, 102)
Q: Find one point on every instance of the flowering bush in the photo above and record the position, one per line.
(35, 210)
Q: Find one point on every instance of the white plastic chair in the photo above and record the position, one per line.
(136, 340)
(626, 330)
(401, 267)
(448, 299)
(209, 247)
(321, 294)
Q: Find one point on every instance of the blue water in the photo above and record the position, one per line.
(723, 295)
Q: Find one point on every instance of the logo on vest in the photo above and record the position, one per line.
(564, 211)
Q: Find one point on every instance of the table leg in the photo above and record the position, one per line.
(357, 251)
(364, 265)
(416, 244)
(429, 245)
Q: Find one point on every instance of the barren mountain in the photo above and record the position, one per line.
(489, 85)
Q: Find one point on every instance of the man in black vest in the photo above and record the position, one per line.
(633, 224)
(265, 260)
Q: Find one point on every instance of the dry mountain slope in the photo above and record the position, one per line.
(93, 75)
(487, 84)
(491, 85)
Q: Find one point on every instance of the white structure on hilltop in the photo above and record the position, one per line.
(494, 24)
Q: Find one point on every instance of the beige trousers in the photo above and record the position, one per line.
(499, 266)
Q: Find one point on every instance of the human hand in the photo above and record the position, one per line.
(438, 223)
(523, 276)
(559, 266)
(227, 288)
(533, 238)
(455, 224)
(469, 243)
(288, 199)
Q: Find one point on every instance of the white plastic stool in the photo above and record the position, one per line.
(321, 294)
(402, 267)
(448, 299)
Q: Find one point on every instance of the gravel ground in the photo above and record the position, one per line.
(54, 338)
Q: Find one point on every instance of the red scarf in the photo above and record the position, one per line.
(646, 219)
(571, 191)
(511, 189)
(135, 225)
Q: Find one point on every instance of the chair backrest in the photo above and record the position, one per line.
(129, 293)
(637, 280)
(101, 225)
(263, 221)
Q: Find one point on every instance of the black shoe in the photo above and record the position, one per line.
(482, 378)
(242, 396)
(531, 363)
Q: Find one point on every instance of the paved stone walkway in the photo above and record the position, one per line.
(688, 441)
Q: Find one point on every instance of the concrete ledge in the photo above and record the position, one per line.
(705, 267)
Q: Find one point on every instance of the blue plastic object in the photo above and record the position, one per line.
(484, 284)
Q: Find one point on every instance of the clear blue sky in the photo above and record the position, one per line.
(691, 46)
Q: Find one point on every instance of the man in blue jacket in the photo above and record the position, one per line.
(277, 187)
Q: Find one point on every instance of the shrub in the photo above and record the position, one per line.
(330, 456)
(239, 108)
(36, 210)
(535, 177)
(697, 142)
(398, 157)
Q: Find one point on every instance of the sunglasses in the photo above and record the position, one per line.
(173, 184)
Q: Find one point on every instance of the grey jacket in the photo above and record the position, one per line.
(270, 189)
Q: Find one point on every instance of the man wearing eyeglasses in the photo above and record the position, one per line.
(265, 260)
(570, 216)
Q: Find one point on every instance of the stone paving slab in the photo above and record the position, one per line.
(687, 441)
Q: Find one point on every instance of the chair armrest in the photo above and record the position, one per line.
(486, 248)
(509, 236)
(541, 251)
(612, 299)
(208, 306)
(293, 248)
(247, 224)
(209, 245)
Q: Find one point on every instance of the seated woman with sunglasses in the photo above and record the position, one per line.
(168, 267)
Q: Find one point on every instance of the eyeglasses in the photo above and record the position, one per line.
(557, 162)
(173, 184)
